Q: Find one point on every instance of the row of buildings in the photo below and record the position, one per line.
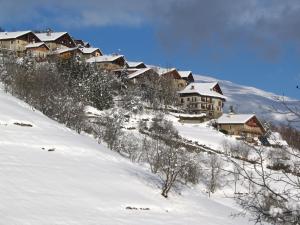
(199, 101)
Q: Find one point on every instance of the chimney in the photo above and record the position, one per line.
(231, 110)
(192, 87)
(48, 32)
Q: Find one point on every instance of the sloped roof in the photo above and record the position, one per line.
(139, 72)
(205, 89)
(135, 64)
(89, 50)
(235, 118)
(12, 35)
(36, 45)
(50, 36)
(162, 71)
(184, 74)
(104, 58)
(63, 50)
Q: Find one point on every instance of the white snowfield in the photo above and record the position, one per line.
(49, 175)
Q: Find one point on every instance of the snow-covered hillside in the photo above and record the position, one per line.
(51, 175)
(251, 100)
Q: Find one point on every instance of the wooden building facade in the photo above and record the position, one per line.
(56, 40)
(246, 125)
(17, 41)
(37, 50)
(108, 63)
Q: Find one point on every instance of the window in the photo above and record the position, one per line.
(188, 99)
(182, 100)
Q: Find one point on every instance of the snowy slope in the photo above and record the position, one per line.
(251, 100)
(81, 182)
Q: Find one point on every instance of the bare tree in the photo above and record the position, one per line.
(237, 149)
(272, 194)
(112, 129)
(175, 163)
(130, 147)
(213, 175)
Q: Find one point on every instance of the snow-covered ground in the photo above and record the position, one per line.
(49, 175)
(200, 133)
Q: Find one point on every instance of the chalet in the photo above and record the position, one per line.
(56, 40)
(82, 44)
(87, 53)
(141, 75)
(136, 65)
(124, 72)
(17, 41)
(65, 53)
(37, 50)
(187, 76)
(108, 62)
(172, 73)
(246, 125)
(206, 98)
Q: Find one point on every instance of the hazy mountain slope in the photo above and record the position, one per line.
(81, 182)
(251, 100)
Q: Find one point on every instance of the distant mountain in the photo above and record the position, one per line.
(246, 99)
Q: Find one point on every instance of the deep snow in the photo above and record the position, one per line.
(82, 182)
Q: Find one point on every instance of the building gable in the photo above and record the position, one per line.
(217, 88)
(254, 122)
(66, 40)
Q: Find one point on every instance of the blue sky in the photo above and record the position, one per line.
(248, 42)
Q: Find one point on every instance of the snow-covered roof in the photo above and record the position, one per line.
(50, 36)
(63, 50)
(205, 89)
(139, 72)
(134, 64)
(104, 58)
(184, 74)
(129, 70)
(36, 45)
(89, 50)
(162, 71)
(234, 118)
(201, 115)
(12, 35)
